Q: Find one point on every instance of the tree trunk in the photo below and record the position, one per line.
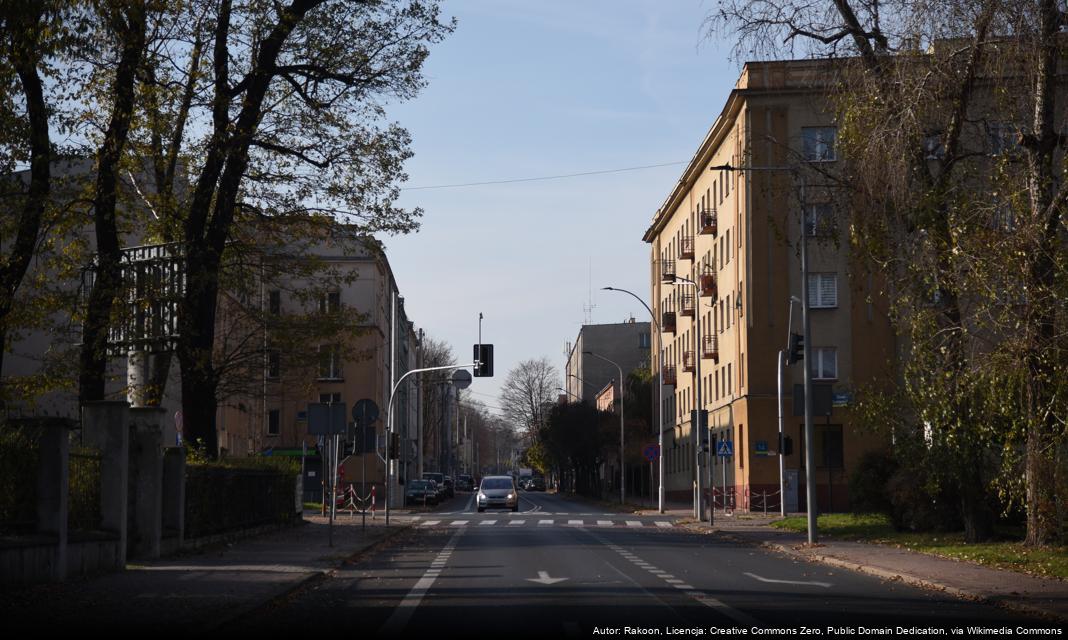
(25, 55)
(130, 31)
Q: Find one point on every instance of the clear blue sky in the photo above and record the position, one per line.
(540, 88)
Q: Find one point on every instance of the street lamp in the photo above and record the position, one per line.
(696, 422)
(810, 456)
(622, 473)
(569, 393)
(656, 396)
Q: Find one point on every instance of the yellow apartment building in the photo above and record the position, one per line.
(734, 234)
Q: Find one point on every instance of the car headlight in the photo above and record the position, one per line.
(481, 496)
(511, 495)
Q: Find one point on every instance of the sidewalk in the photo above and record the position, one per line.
(1046, 597)
(201, 591)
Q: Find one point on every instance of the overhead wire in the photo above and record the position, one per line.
(539, 178)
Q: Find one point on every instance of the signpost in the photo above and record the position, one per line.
(328, 419)
(724, 449)
(364, 414)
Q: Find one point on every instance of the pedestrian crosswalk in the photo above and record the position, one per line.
(539, 522)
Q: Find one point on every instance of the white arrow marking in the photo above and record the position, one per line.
(812, 583)
(543, 578)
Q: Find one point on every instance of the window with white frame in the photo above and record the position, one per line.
(329, 362)
(825, 363)
(822, 290)
(330, 302)
(817, 143)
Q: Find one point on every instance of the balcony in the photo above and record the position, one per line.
(667, 322)
(688, 305)
(670, 377)
(710, 347)
(708, 222)
(686, 248)
(689, 362)
(667, 270)
(708, 285)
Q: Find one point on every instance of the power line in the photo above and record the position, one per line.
(566, 175)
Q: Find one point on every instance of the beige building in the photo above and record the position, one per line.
(735, 234)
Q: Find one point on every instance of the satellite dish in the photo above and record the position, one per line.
(461, 378)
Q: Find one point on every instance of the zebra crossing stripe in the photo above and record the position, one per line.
(431, 523)
(515, 522)
(661, 523)
(486, 523)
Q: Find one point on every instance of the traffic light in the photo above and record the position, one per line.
(394, 446)
(786, 445)
(796, 352)
(484, 358)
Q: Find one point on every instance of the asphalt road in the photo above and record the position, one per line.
(560, 568)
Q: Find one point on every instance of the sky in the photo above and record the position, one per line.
(528, 89)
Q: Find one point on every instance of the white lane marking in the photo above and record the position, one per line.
(544, 522)
(575, 523)
(458, 523)
(661, 523)
(633, 523)
(683, 586)
(470, 502)
(813, 583)
(486, 523)
(725, 609)
(674, 581)
(406, 607)
(543, 578)
(604, 523)
(515, 522)
(431, 523)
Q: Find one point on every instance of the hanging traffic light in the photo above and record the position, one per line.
(796, 352)
(484, 358)
(786, 445)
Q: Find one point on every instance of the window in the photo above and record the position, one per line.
(644, 341)
(1001, 138)
(825, 363)
(831, 446)
(728, 246)
(817, 143)
(730, 387)
(741, 447)
(329, 362)
(274, 422)
(819, 220)
(330, 302)
(274, 303)
(822, 290)
(274, 363)
(327, 398)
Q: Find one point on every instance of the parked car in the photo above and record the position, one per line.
(498, 492)
(439, 480)
(420, 492)
(450, 486)
(465, 482)
(536, 484)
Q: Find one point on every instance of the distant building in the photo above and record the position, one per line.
(733, 234)
(626, 343)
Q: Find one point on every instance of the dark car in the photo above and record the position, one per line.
(444, 491)
(450, 486)
(465, 482)
(420, 492)
(536, 484)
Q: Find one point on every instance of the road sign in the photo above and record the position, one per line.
(652, 452)
(365, 412)
(725, 448)
(461, 378)
(326, 419)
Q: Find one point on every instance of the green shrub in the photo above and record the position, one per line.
(915, 508)
(869, 482)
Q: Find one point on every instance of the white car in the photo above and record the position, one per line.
(498, 492)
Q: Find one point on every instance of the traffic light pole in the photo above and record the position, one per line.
(389, 415)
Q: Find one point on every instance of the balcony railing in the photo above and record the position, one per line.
(708, 222)
(686, 250)
(708, 285)
(670, 377)
(667, 322)
(667, 270)
(688, 361)
(710, 347)
(688, 305)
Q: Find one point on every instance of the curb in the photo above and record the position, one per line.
(299, 583)
(921, 582)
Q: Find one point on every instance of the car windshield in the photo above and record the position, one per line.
(496, 483)
(417, 484)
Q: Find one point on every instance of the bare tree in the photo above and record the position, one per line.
(528, 393)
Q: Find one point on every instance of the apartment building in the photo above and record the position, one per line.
(724, 267)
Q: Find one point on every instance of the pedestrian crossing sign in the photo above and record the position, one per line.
(724, 448)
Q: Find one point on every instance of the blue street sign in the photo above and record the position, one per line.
(725, 448)
(652, 452)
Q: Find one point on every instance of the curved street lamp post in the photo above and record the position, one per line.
(622, 473)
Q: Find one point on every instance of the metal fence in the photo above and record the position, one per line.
(221, 499)
(20, 457)
(84, 487)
